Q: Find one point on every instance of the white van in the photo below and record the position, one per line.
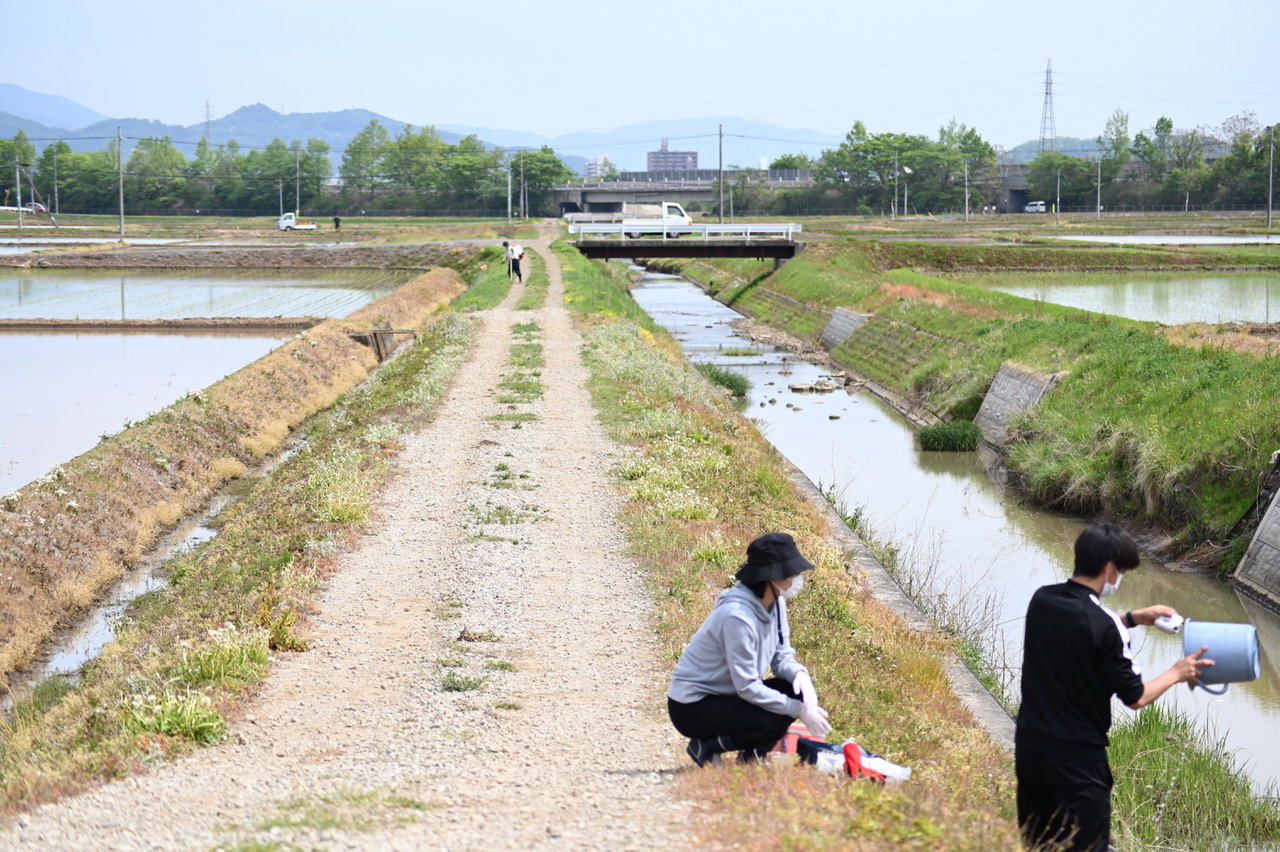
(1035, 207)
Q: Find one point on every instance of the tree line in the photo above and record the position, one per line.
(416, 170)
(883, 173)
(1227, 165)
(868, 173)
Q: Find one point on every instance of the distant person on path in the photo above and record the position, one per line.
(337, 223)
(718, 698)
(1075, 657)
(514, 255)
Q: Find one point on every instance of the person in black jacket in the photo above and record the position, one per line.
(1075, 657)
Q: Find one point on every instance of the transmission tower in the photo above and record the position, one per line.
(208, 121)
(1048, 133)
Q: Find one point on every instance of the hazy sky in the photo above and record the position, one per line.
(552, 68)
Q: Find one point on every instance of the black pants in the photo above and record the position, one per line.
(1063, 801)
(514, 268)
(748, 726)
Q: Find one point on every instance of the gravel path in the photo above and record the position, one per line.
(565, 746)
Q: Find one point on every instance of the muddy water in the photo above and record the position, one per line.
(966, 536)
(62, 392)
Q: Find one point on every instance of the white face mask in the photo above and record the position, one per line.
(1110, 588)
(797, 583)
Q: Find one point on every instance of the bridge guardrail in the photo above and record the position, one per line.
(747, 230)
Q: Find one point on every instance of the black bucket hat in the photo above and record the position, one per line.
(773, 556)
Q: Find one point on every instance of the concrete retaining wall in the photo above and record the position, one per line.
(842, 324)
(1259, 571)
(1013, 391)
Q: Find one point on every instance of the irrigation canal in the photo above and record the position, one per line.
(972, 544)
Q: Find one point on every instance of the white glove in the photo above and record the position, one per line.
(815, 719)
(803, 684)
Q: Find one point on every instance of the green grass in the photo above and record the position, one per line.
(958, 436)
(455, 682)
(1178, 789)
(737, 384)
(489, 286)
(536, 282)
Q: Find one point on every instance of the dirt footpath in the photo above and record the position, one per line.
(555, 736)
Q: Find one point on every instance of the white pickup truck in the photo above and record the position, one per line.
(645, 218)
(290, 222)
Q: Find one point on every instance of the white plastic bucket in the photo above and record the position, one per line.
(1232, 647)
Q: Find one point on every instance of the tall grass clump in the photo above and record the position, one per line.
(187, 653)
(958, 436)
(735, 383)
(1178, 789)
(702, 483)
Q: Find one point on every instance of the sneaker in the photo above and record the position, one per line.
(702, 753)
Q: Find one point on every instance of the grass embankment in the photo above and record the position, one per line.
(1140, 427)
(1175, 787)
(186, 654)
(71, 534)
(702, 483)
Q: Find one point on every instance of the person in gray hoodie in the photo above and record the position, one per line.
(718, 697)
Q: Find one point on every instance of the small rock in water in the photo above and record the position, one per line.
(833, 416)
(773, 401)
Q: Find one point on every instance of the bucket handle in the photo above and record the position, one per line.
(1208, 690)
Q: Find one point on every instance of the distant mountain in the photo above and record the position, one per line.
(49, 110)
(11, 124)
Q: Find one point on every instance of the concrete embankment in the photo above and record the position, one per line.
(67, 537)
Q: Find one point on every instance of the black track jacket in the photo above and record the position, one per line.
(1075, 657)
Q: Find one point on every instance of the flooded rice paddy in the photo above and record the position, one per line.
(63, 391)
(1170, 298)
(72, 389)
(968, 539)
(181, 294)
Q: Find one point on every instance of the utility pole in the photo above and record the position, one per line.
(1057, 202)
(297, 180)
(721, 207)
(56, 210)
(508, 190)
(280, 188)
(1271, 175)
(893, 209)
(1098, 214)
(17, 180)
(966, 190)
(120, 171)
